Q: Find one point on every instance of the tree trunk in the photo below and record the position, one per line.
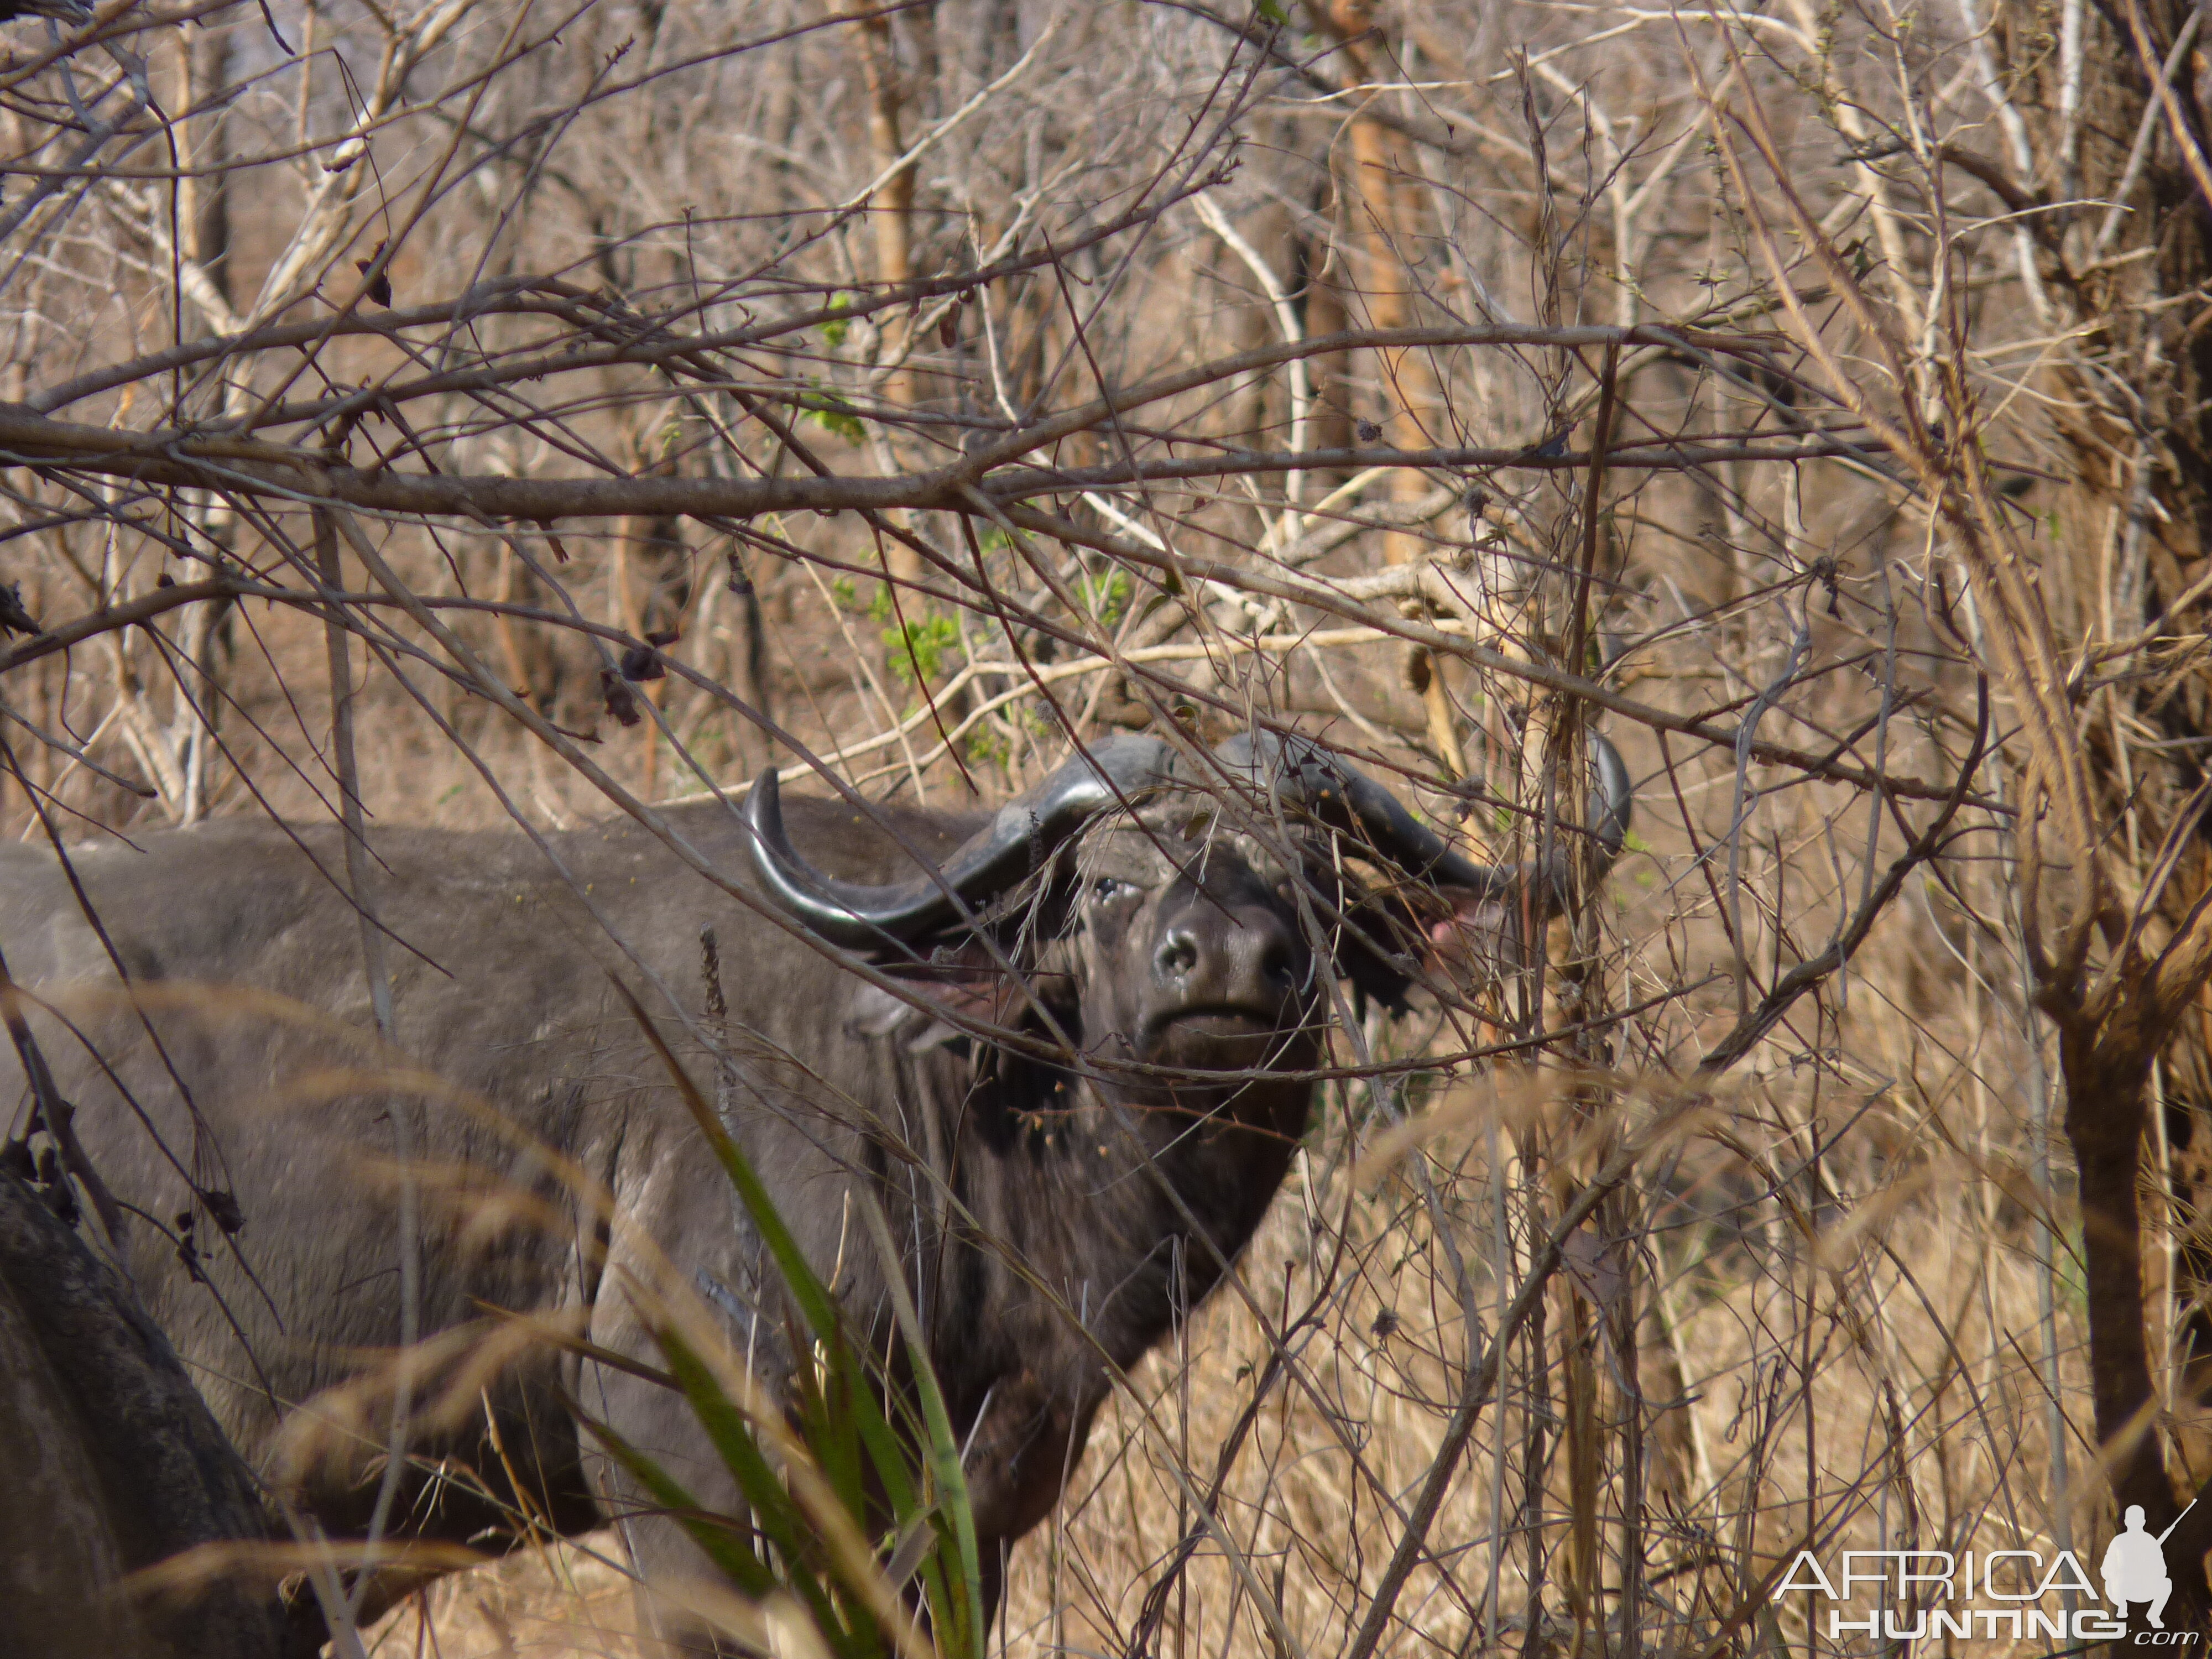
(2131, 529)
(889, 211)
(1382, 216)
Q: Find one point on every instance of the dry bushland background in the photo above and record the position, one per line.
(1812, 396)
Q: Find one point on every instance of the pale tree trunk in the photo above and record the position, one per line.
(203, 227)
(890, 212)
(204, 195)
(1382, 215)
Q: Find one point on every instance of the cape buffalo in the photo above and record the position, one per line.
(1172, 917)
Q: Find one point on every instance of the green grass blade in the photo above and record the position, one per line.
(948, 1479)
(816, 1303)
(813, 1297)
(735, 1443)
(719, 1541)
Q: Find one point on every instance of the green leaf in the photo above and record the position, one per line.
(844, 424)
(919, 649)
(1107, 597)
(833, 414)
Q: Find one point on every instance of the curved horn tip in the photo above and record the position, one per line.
(763, 808)
(763, 815)
(1615, 810)
(786, 878)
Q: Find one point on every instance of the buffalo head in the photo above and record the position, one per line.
(1168, 913)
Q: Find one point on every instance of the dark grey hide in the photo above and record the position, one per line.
(1174, 941)
(114, 1467)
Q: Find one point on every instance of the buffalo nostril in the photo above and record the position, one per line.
(1178, 954)
(1275, 963)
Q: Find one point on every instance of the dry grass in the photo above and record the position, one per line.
(566, 1599)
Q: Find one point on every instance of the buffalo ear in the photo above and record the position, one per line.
(1372, 950)
(1372, 976)
(961, 978)
(945, 979)
(1461, 933)
(1477, 930)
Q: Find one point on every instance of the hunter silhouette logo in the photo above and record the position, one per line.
(2015, 1595)
(2135, 1567)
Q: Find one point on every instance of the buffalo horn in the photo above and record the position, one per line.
(1028, 830)
(1311, 779)
(1018, 840)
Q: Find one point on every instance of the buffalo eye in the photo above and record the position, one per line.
(1107, 888)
